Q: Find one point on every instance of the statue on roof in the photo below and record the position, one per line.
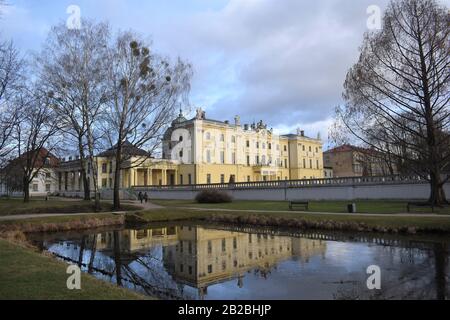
(201, 115)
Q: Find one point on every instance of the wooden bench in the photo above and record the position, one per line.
(303, 204)
(422, 204)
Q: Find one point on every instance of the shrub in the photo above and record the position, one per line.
(213, 196)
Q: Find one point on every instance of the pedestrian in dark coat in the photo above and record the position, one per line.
(140, 197)
(146, 197)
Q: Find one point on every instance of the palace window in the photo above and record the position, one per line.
(222, 137)
(233, 158)
(224, 245)
(104, 183)
(181, 154)
(263, 160)
(310, 149)
(180, 139)
(270, 146)
(208, 178)
(249, 179)
(208, 136)
(209, 247)
(222, 178)
(248, 161)
(257, 145)
(110, 167)
(285, 148)
(210, 268)
(181, 179)
(257, 160)
(310, 164)
(104, 167)
(285, 163)
(222, 157)
(47, 187)
(248, 144)
(317, 163)
(233, 139)
(304, 163)
(304, 148)
(264, 145)
(189, 179)
(208, 156)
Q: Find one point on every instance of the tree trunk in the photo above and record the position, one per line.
(437, 195)
(97, 205)
(86, 186)
(26, 190)
(117, 176)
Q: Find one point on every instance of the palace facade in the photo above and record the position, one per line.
(209, 151)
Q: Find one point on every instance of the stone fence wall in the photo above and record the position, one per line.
(353, 188)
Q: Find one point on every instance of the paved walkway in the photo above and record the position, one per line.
(49, 215)
(144, 206)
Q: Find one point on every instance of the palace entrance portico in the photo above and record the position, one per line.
(161, 174)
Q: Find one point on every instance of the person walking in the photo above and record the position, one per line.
(140, 197)
(146, 197)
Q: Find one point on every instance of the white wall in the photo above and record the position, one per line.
(410, 191)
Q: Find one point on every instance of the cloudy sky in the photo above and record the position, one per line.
(283, 61)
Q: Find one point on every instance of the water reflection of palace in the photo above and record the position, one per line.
(200, 257)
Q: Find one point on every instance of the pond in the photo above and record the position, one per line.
(197, 261)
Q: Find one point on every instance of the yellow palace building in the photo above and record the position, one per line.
(205, 151)
(209, 151)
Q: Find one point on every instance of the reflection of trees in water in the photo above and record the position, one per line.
(142, 272)
(413, 280)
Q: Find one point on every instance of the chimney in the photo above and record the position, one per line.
(302, 133)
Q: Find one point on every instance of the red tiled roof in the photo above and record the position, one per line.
(349, 148)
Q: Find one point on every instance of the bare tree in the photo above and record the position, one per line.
(145, 93)
(400, 87)
(34, 135)
(11, 68)
(72, 67)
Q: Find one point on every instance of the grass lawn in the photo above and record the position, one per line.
(315, 206)
(17, 206)
(25, 274)
(170, 214)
